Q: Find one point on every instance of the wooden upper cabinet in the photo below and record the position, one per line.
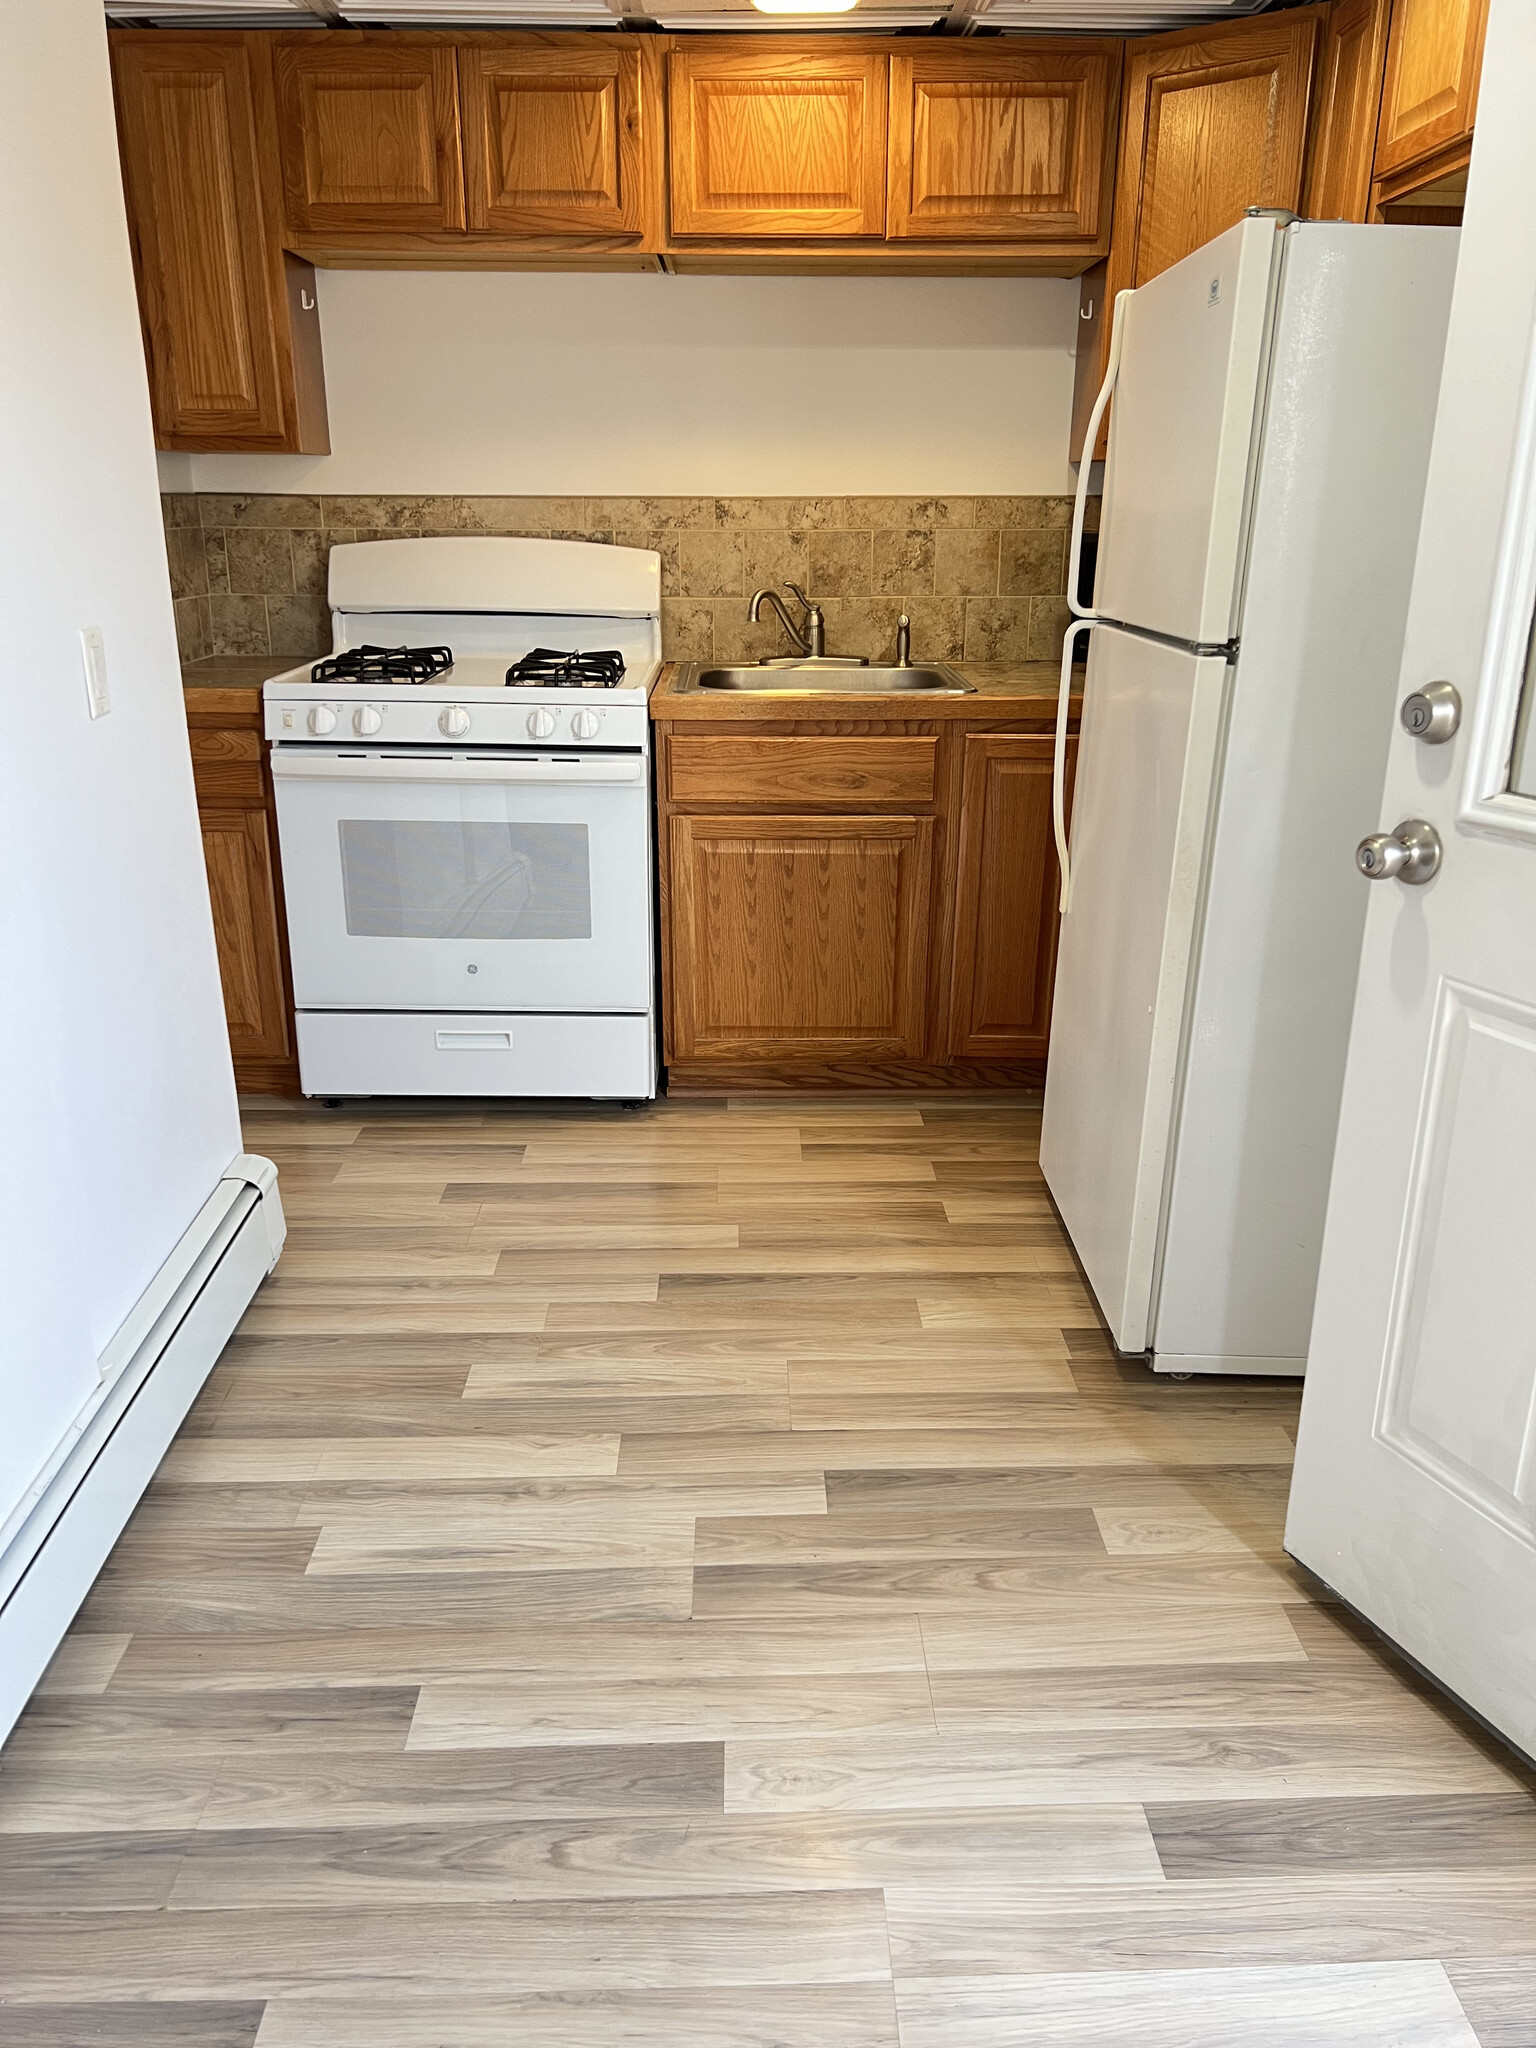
(1429, 97)
(1215, 122)
(1347, 102)
(776, 140)
(231, 331)
(1003, 141)
(369, 132)
(552, 139)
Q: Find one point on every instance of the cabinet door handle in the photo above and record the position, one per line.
(305, 300)
(1085, 312)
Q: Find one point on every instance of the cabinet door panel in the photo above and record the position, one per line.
(187, 112)
(237, 847)
(1429, 100)
(369, 132)
(799, 937)
(1001, 144)
(713, 769)
(1348, 102)
(551, 135)
(777, 144)
(1005, 911)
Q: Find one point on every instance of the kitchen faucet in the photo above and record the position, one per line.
(811, 639)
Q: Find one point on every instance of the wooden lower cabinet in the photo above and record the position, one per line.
(1005, 899)
(871, 907)
(800, 938)
(236, 812)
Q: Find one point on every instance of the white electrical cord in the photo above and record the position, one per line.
(1085, 618)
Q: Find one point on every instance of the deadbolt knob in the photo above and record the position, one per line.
(1409, 853)
(1433, 713)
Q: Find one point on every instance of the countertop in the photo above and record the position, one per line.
(1011, 689)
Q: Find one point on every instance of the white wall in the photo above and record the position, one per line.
(117, 1107)
(513, 382)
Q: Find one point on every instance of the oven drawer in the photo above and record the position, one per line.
(457, 1052)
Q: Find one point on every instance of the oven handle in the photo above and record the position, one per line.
(327, 767)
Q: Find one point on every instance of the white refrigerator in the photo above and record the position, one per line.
(1268, 447)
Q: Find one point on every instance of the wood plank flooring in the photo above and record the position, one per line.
(699, 1579)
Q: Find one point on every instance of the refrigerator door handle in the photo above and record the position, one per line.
(1085, 618)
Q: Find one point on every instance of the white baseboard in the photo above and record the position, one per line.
(76, 1514)
(1229, 1362)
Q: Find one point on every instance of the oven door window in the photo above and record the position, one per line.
(436, 878)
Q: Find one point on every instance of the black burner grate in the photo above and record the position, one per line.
(383, 665)
(547, 667)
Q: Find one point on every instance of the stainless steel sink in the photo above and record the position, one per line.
(822, 679)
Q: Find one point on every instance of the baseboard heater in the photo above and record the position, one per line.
(56, 1542)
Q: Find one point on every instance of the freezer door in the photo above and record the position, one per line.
(1183, 435)
(1146, 771)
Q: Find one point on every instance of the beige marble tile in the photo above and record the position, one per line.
(840, 565)
(780, 512)
(260, 508)
(998, 629)
(1024, 511)
(239, 625)
(651, 512)
(965, 562)
(771, 557)
(891, 511)
(711, 565)
(194, 634)
(186, 560)
(903, 561)
(1034, 562)
(862, 625)
(938, 628)
(258, 560)
(738, 640)
(298, 625)
(178, 508)
(1048, 621)
(656, 540)
(311, 559)
(687, 629)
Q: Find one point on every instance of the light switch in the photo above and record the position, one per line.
(93, 649)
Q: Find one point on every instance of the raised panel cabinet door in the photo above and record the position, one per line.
(1429, 99)
(1006, 915)
(368, 127)
(1009, 143)
(1214, 120)
(776, 142)
(799, 937)
(551, 135)
(1348, 103)
(186, 111)
(237, 847)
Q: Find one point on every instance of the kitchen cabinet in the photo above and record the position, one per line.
(857, 903)
(239, 825)
(1002, 141)
(231, 329)
(1429, 94)
(1214, 120)
(1347, 106)
(1006, 898)
(774, 138)
(368, 133)
(800, 938)
(552, 135)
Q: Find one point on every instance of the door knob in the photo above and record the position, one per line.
(1410, 853)
(1433, 713)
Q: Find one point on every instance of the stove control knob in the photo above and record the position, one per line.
(585, 725)
(541, 724)
(322, 719)
(454, 722)
(367, 719)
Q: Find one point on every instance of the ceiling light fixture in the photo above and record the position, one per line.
(805, 6)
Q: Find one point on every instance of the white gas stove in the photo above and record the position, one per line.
(467, 859)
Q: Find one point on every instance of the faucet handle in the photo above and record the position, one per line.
(801, 599)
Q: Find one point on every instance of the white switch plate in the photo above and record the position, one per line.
(93, 649)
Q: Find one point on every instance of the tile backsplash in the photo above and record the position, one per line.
(981, 578)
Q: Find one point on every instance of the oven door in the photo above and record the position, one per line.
(494, 881)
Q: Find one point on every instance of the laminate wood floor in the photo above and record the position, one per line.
(699, 1579)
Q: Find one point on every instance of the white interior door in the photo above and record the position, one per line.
(1415, 1489)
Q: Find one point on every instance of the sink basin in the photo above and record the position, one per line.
(821, 680)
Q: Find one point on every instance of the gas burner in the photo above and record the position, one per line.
(383, 665)
(543, 666)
